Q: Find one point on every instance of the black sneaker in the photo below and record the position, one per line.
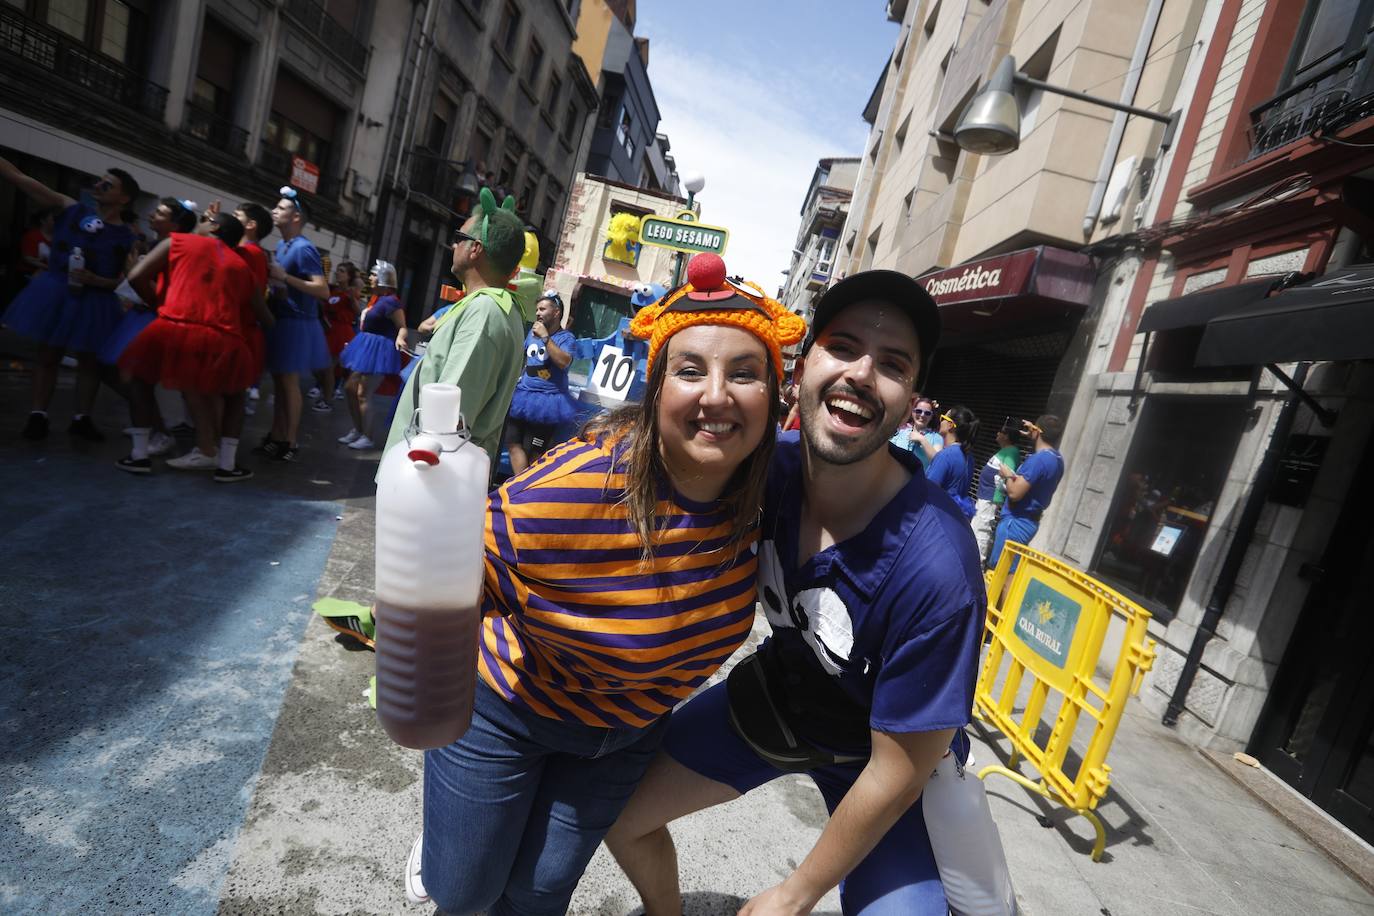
(85, 429)
(238, 473)
(287, 453)
(135, 465)
(35, 427)
(269, 447)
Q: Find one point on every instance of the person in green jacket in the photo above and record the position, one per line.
(478, 344)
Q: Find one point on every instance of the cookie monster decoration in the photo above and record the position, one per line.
(642, 295)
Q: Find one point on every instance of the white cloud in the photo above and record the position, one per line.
(757, 143)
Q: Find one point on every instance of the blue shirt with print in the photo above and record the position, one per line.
(891, 618)
(541, 372)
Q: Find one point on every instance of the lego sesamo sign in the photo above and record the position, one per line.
(683, 235)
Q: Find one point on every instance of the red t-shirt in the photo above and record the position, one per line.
(256, 259)
(208, 284)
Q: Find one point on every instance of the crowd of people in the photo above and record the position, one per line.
(623, 565)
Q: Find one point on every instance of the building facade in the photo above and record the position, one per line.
(1000, 239)
(1197, 301)
(625, 145)
(1217, 479)
(208, 100)
(823, 215)
(490, 94)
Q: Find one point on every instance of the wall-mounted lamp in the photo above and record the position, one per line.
(991, 124)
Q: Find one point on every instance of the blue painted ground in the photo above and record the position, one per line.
(148, 641)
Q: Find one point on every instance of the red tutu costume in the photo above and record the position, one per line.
(339, 310)
(196, 343)
(256, 259)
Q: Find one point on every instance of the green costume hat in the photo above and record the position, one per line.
(502, 233)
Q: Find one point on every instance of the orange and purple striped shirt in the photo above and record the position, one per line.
(576, 626)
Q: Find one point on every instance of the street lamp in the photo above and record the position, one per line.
(991, 124)
(693, 182)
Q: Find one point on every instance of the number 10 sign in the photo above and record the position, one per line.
(612, 375)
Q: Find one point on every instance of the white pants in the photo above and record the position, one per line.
(984, 526)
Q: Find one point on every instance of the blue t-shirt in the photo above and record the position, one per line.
(105, 248)
(951, 471)
(378, 317)
(299, 258)
(891, 618)
(1043, 471)
(541, 372)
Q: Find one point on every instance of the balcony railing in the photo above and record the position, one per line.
(332, 33)
(48, 49)
(437, 178)
(1327, 99)
(221, 133)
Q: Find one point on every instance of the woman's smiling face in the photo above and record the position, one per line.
(713, 407)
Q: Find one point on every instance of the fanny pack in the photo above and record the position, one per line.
(756, 716)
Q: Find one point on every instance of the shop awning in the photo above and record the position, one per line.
(1034, 286)
(1196, 309)
(1329, 318)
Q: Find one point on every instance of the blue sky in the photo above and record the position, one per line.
(751, 94)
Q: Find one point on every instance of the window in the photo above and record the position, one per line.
(1167, 497)
(208, 96)
(870, 249)
(217, 67)
(551, 94)
(906, 204)
(534, 62)
(570, 124)
(825, 253)
(623, 134)
(114, 36)
(900, 136)
(69, 16)
(509, 31)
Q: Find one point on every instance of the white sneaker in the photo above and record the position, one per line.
(361, 443)
(253, 393)
(313, 393)
(349, 437)
(415, 888)
(194, 460)
(160, 444)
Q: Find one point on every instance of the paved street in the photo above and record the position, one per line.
(182, 735)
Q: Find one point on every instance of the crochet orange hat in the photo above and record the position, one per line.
(708, 297)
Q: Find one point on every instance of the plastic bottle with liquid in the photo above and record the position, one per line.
(75, 261)
(431, 512)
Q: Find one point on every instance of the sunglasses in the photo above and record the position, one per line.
(460, 236)
(948, 419)
(923, 413)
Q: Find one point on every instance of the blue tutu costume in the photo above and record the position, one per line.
(296, 344)
(541, 395)
(82, 319)
(373, 351)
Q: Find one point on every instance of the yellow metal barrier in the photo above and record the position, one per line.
(1048, 624)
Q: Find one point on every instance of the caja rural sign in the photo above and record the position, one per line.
(683, 235)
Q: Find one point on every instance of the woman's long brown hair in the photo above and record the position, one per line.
(634, 431)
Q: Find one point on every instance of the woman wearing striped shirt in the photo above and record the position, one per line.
(619, 576)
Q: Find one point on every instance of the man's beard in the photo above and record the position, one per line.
(814, 420)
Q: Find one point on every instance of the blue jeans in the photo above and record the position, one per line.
(515, 808)
(1011, 528)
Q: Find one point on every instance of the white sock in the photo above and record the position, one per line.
(140, 436)
(41, 413)
(228, 451)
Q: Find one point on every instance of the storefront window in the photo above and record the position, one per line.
(1166, 497)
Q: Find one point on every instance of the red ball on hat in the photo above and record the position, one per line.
(706, 271)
